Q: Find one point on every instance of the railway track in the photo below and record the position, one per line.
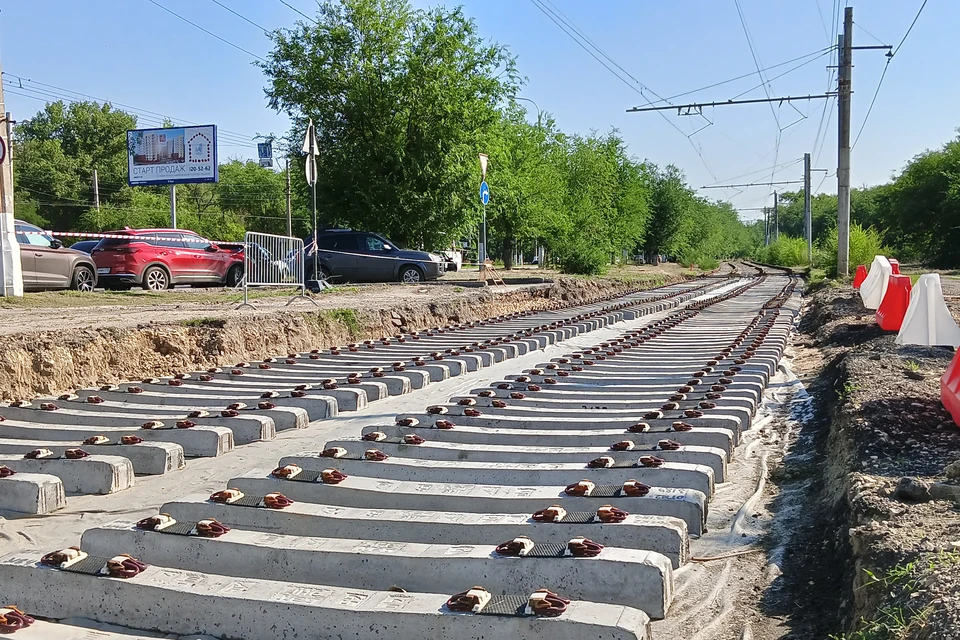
(589, 474)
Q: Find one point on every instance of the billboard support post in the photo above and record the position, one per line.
(173, 206)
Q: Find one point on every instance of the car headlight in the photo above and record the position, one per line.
(435, 258)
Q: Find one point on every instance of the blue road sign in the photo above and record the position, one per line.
(484, 193)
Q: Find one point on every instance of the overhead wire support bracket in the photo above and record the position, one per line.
(749, 184)
(700, 105)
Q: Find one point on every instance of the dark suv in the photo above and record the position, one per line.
(360, 256)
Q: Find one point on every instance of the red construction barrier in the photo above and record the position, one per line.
(950, 388)
(894, 265)
(894, 305)
(859, 276)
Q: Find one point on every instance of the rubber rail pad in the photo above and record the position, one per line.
(505, 606)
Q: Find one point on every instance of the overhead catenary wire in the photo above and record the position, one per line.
(817, 54)
(883, 75)
(17, 82)
(207, 31)
(571, 30)
(240, 15)
(293, 8)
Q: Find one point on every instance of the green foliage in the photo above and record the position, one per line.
(346, 317)
(401, 99)
(582, 258)
(865, 244)
(785, 251)
(56, 152)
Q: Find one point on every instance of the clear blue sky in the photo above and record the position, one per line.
(135, 54)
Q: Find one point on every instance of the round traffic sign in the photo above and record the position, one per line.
(3, 150)
(484, 193)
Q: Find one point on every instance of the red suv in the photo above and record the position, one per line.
(157, 259)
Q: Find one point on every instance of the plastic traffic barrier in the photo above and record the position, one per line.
(928, 320)
(894, 265)
(895, 302)
(950, 388)
(875, 286)
(859, 276)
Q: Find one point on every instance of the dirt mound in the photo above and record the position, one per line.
(887, 549)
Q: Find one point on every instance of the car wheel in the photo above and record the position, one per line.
(83, 279)
(234, 275)
(411, 274)
(156, 279)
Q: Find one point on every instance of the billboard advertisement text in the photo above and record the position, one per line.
(175, 155)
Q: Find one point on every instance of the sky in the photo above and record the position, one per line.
(145, 60)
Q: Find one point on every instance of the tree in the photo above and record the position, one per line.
(56, 152)
(670, 201)
(401, 99)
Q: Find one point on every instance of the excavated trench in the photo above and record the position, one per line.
(647, 420)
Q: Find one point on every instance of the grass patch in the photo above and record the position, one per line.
(899, 614)
(204, 323)
(347, 317)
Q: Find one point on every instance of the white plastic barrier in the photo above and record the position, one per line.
(11, 275)
(928, 320)
(875, 286)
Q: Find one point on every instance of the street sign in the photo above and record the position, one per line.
(265, 152)
(484, 193)
(3, 150)
(310, 140)
(483, 166)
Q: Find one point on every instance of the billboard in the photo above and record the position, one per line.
(175, 155)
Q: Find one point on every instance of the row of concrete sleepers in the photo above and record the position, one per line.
(554, 504)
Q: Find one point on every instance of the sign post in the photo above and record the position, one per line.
(484, 199)
(310, 170)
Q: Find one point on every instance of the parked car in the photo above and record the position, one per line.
(360, 256)
(47, 264)
(86, 246)
(157, 259)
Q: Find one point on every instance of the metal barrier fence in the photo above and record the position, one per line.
(272, 261)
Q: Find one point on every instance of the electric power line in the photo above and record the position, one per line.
(206, 31)
(566, 25)
(884, 74)
(917, 17)
(65, 94)
(819, 53)
(290, 6)
(872, 102)
(240, 15)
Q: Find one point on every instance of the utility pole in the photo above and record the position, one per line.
(844, 89)
(173, 206)
(807, 222)
(776, 217)
(96, 190)
(289, 219)
(766, 226)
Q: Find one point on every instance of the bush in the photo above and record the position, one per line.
(786, 251)
(865, 245)
(704, 262)
(583, 259)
